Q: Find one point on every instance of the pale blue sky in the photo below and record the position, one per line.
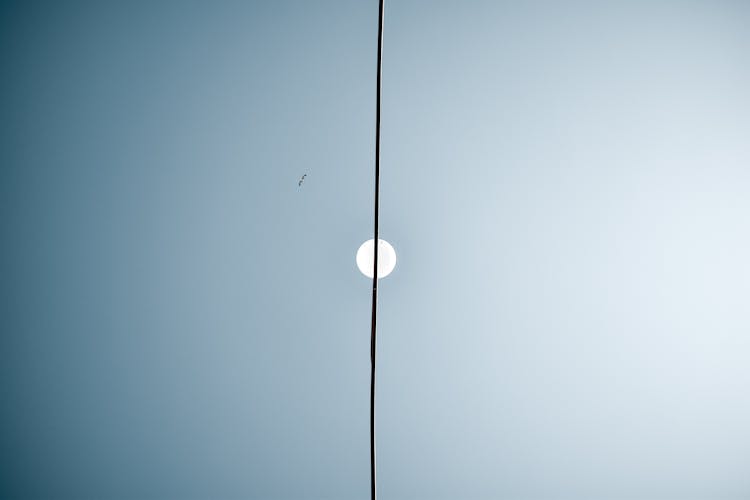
(567, 185)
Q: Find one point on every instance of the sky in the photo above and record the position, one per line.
(566, 185)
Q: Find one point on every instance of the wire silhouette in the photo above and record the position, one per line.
(376, 242)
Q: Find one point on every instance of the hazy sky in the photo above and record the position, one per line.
(567, 185)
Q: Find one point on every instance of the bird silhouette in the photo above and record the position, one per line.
(301, 179)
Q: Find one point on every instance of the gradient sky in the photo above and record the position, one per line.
(567, 185)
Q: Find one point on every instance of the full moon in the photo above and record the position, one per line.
(366, 258)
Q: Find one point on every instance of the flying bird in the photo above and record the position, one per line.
(301, 180)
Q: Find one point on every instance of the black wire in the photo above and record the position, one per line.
(376, 243)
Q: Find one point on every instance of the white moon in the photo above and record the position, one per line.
(366, 258)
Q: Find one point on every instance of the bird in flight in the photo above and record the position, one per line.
(301, 180)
